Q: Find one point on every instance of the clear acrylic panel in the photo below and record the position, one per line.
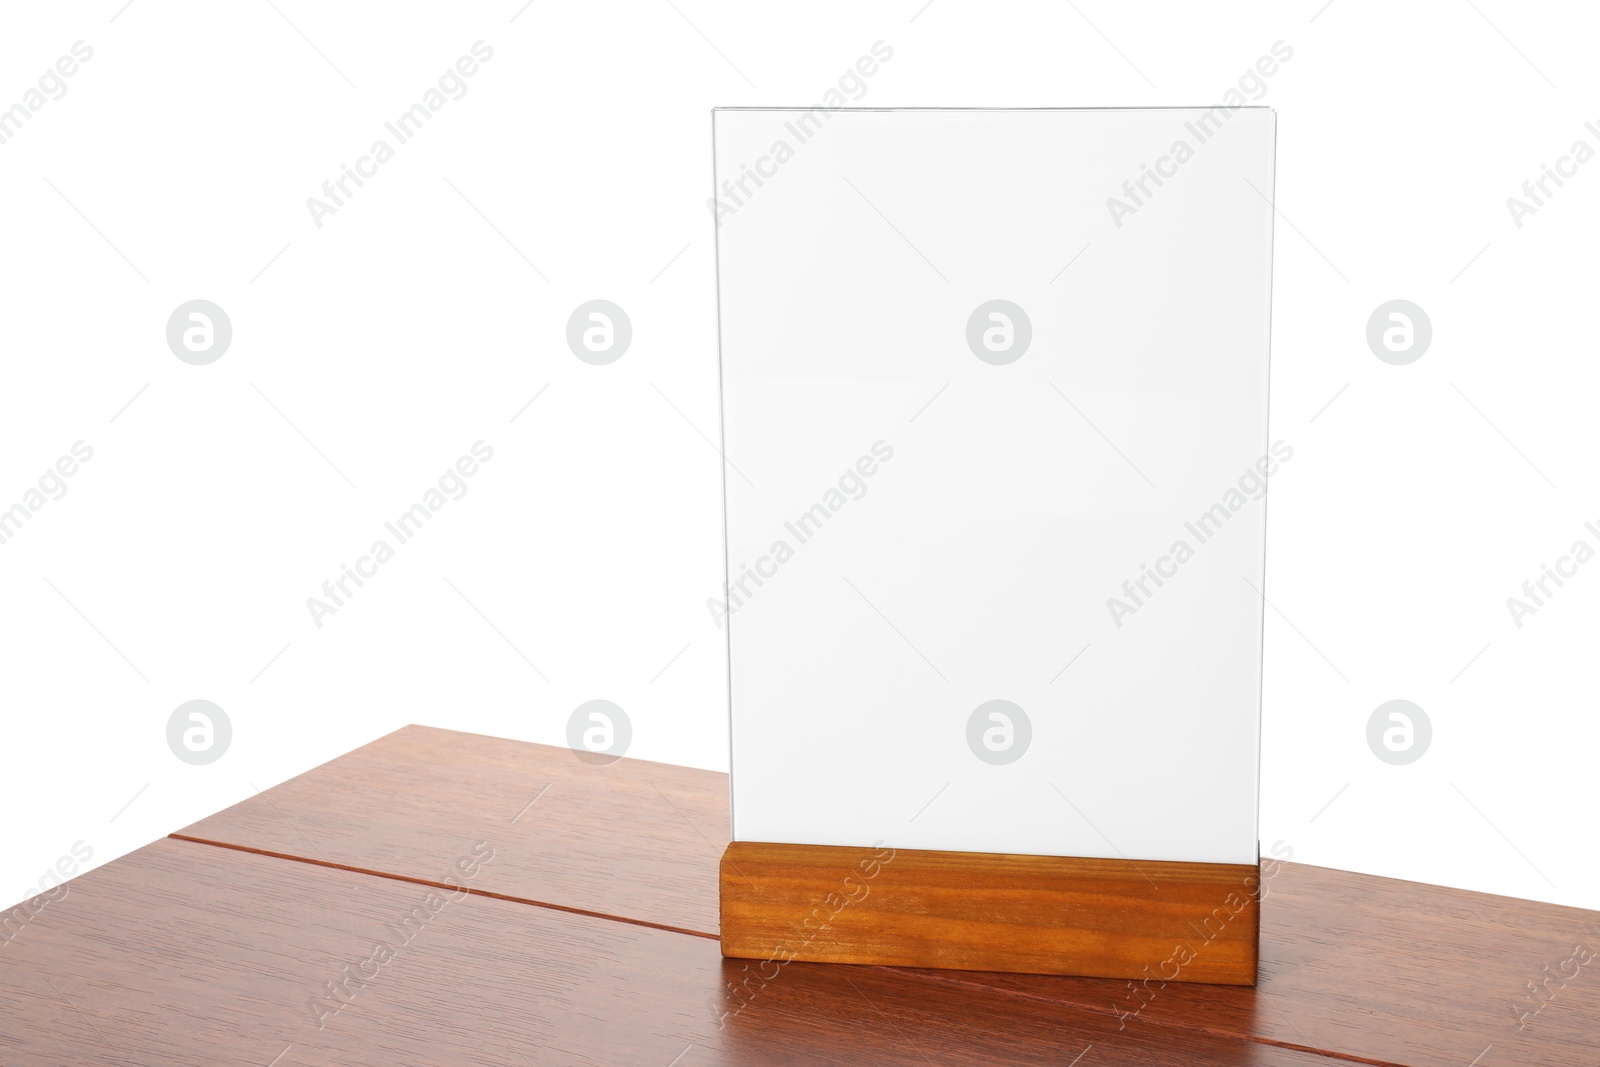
(995, 421)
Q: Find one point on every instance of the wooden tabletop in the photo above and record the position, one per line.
(444, 898)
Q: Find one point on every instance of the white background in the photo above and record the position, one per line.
(370, 353)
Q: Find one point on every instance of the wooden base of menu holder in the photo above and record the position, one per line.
(1109, 918)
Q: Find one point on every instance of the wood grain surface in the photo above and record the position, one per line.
(184, 953)
(981, 911)
(1374, 970)
(630, 839)
(1387, 971)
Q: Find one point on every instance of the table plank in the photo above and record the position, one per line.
(184, 953)
(1377, 969)
(632, 839)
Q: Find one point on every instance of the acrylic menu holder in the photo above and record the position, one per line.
(994, 397)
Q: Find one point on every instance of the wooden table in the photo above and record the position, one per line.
(444, 898)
